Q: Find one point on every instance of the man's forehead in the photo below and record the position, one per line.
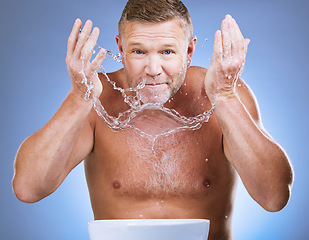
(168, 29)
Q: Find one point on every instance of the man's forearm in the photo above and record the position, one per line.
(261, 163)
(41, 162)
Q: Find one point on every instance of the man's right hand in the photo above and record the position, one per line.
(79, 52)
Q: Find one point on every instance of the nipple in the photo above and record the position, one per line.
(206, 183)
(116, 184)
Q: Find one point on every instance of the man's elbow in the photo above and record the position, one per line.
(279, 194)
(23, 193)
(277, 201)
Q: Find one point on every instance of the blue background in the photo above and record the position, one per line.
(34, 82)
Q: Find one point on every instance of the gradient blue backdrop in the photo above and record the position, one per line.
(34, 82)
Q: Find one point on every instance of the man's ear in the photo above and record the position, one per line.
(190, 50)
(119, 45)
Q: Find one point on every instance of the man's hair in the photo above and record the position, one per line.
(155, 11)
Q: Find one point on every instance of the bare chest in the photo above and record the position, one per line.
(179, 164)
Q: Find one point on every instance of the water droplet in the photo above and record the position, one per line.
(206, 160)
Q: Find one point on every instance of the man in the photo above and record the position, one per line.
(188, 174)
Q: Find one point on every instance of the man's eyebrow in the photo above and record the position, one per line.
(171, 45)
(135, 44)
(165, 45)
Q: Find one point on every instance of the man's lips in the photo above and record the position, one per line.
(154, 84)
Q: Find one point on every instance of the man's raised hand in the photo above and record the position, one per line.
(229, 53)
(83, 72)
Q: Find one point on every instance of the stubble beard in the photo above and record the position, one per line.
(173, 85)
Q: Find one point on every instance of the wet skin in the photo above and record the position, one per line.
(127, 179)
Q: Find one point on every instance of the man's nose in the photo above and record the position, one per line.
(154, 65)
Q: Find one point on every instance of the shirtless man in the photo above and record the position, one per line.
(189, 174)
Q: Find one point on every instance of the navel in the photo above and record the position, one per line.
(116, 184)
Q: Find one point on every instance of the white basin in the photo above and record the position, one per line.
(149, 229)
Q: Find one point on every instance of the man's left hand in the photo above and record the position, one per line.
(229, 53)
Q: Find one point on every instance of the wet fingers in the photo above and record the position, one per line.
(226, 40)
(97, 61)
(217, 51)
(83, 37)
(238, 43)
(73, 38)
(87, 50)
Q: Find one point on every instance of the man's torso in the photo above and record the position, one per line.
(179, 175)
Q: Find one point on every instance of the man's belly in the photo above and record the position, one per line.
(170, 207)
(155, 209)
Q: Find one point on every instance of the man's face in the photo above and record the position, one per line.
(157, 53)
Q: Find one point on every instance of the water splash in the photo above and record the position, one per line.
(125, 120)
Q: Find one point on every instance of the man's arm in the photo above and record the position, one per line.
(260, 162)
(46, 158)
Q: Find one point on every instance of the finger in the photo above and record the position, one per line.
(237, 28)
(217, 51)
(226, 42)
(83, 37)
(247, 41)
(87, 50)
(238, 44)
(72, 40)
(97, 61)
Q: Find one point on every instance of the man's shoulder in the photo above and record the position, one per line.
(195, 76)
(115, 76)
(197, 70)
(108, 81)
(196, 73)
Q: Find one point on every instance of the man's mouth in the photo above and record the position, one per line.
(154, 84)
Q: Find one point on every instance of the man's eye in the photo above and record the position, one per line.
(138, 52)
(167, 52)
